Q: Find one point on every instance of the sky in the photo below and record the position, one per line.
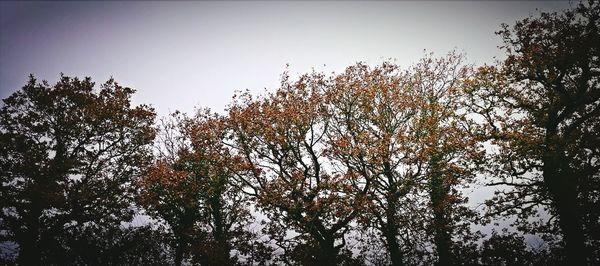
(182, 55)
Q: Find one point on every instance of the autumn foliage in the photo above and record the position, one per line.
(373, 165)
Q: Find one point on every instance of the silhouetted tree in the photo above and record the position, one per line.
(406, 133)
(68, 155)
(282, 139)
(373, 137)
(542, 106)
(170, 193)
(143, 245)
(372, 160)
(189, 187)
(505, 249)
(450, 153)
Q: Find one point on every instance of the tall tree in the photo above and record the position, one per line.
(189, 187)
(406, 133)
(282, 140)
(451, 151)
(170, 192)
(68, 155)
(542, 106)
(372, 136)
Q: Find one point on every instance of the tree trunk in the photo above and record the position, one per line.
(391, 231)
(29, 249)
(179, 252)
(562, 185)
(390, 228)
(220, 234)
(441, 207)
(43, 193)
(327, 252)
(442, 239)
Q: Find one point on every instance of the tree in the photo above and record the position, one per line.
(189, 187)
(131, 245)
(169, 192)
(406, 133)
(451, 152)
(227, 207)
(372, 136)
(542, 108)
(282, 140)
(505, 249)
(68, 155)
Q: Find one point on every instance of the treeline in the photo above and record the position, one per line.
(365, 167)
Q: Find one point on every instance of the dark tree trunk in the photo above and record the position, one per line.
(327, 252)
(29, 249)
(391, 232)
(181, 241)
(43, 194)
(179, 252)
(441, 207)
(442, 238)
(562, 185)
(222, 248)
(390, 228)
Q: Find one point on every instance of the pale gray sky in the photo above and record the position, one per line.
(179, 55)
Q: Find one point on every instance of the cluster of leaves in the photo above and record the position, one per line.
(189, 187)
(367, 166)
(68, 158)
(541, 108)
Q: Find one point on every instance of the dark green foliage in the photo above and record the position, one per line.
(542, 106)
(68, 155)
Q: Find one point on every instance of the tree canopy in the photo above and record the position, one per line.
(69, 155)
(370, 166)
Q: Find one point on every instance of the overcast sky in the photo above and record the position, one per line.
(179, 55)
